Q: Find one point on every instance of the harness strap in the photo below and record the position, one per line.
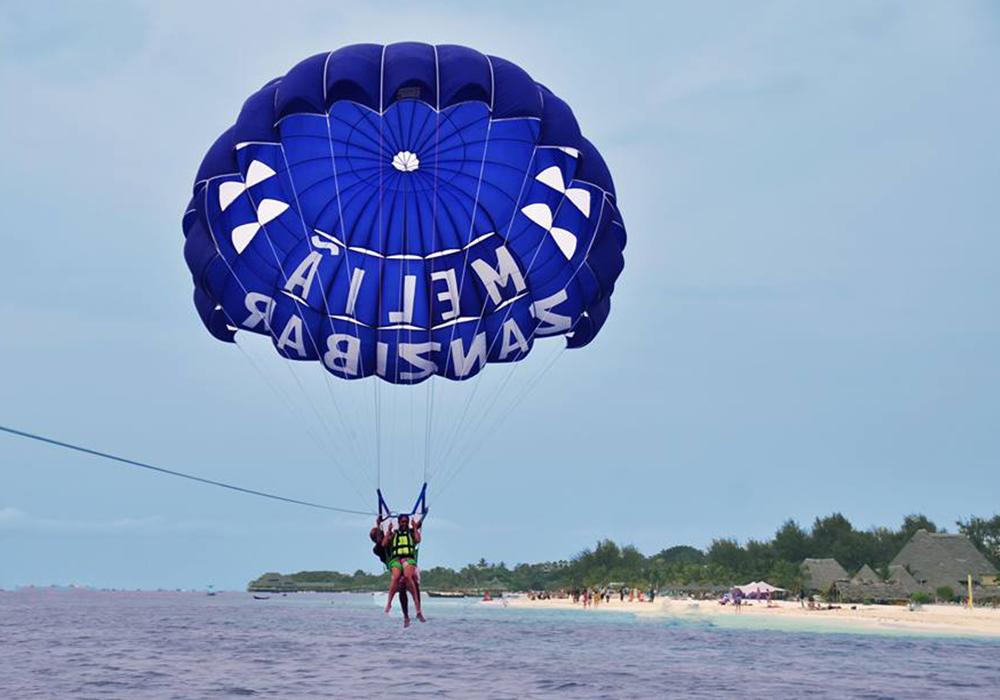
(385, 512)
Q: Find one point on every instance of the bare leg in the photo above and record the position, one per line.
(392, 588)
(410, 578)
(404, 605)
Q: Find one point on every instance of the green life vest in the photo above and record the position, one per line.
(403, 544)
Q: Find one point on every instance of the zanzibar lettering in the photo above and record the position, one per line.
(501, 283)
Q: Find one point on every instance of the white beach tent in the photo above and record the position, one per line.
(759, 589)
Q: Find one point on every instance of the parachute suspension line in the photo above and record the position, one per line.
(347, 250)
(472, 229)
(475, 423)
(484, 414)
(381, 235)
(268, 327)
(456, 433)
(283, 397)
(428, 424)
(404, 264)
(312, 340)
(307, 234)
(378, 436)
(467, 455)
(171, 472)
(323, 442)
(430, 397)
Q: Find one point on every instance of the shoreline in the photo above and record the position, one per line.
(939, 620)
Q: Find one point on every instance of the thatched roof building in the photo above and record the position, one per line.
(987, 594)
(821, 574)
(938, 559)
(866, 575)
(899, 574)
(856, 591)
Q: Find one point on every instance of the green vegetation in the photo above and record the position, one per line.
(945, 594)
(985, 534)
(725, 562)
(922, 598)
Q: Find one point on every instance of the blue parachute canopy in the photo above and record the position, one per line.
(404, 210)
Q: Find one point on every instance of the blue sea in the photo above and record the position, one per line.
(81, 645)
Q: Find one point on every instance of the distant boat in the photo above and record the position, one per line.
(210, 591)
(262, 597)
(446, 594)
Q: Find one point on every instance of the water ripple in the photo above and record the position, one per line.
(167, 646)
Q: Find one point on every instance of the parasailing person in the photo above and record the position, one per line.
(402, 544)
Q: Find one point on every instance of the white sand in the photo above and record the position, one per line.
(886, 619)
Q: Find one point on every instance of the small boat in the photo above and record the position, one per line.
(446, 594)
(262, 597)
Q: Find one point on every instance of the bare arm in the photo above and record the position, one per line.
(387, 537)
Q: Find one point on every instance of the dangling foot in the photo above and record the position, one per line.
(420, 616)
(406, 622)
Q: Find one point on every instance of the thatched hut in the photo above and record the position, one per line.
(866, 575)
(821, 574)
(899, 574)
(939, 559)
(859, 591)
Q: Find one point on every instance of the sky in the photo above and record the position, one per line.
(807, 322)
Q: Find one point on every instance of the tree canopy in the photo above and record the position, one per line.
(725, 562)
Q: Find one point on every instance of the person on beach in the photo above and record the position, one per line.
(383, 556)
(402, 546)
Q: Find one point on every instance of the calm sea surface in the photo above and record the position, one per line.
(78, 645)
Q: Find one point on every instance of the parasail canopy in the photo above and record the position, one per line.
(404, 211)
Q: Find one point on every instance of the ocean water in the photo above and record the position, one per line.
(79, 645)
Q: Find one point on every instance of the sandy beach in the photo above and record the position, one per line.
(951, 620)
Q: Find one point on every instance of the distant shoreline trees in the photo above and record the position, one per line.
(724, 562)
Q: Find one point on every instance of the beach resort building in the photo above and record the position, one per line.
(899, 574)
(938, 559)
(868, 587)
(821, 574)
(866, 575)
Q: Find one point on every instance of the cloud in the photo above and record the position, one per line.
(14, 519)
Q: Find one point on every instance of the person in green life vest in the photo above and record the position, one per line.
(383, 555)
(402, 545)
